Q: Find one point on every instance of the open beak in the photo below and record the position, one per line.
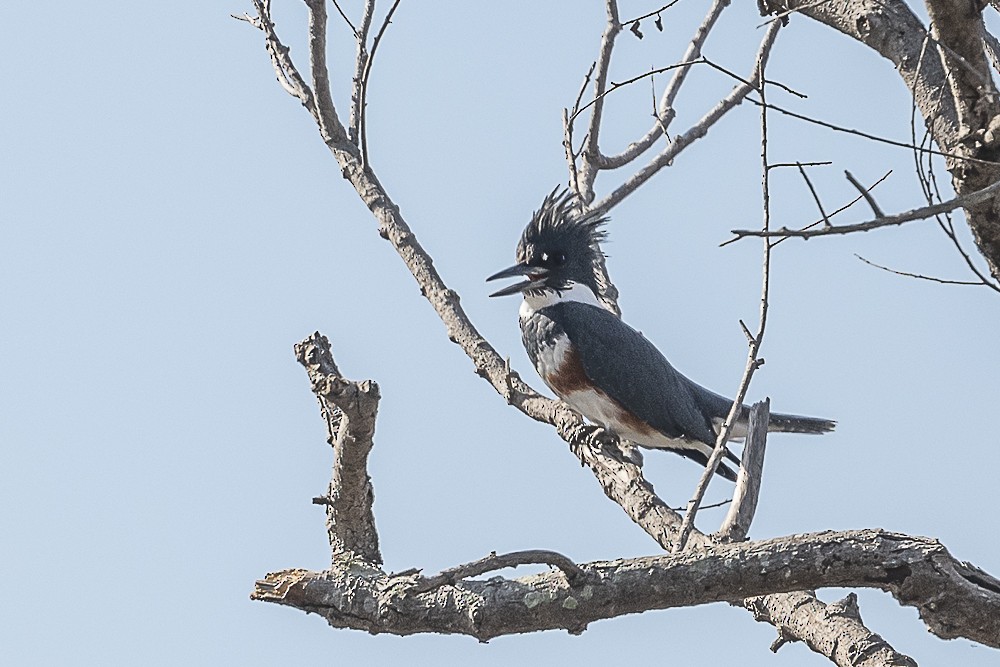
(536, 275)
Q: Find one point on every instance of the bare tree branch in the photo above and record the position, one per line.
(326, 113)
(953, 598)
(812, 190)
(354, 31)
(666, 112)
(863, 191)
(736, 525)
(349, 519)
(960, 121)
(681, 141)
(830, 630)
(574, 574)
(362, 110)
(621, 479)
(285, 70)
(591, 151)
(755, 341)
(907, 274)
(360, 65)
(988, 193)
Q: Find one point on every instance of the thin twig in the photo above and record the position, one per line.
(354, 30)
(654, 13)
(571, 156)
(876, 210)
(705, 507)
(573, 572)
(363, 122)
(867, 135)
(839, 128)
(591, 150)
(695, 132)
(621, 84)
(666, 113)
(753, 362)
(820, 221)
(819, 204)
(921, 213)
(360, 63)
(943, 281)
(734, 75)
(778, 165)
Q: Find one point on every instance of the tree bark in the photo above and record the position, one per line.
(954, 599)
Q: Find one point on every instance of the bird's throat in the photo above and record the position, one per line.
(535, 301)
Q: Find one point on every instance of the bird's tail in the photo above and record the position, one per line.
(780, 423)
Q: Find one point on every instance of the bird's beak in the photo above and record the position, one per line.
(535, 274)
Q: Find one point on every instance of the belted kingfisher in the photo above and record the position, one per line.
(599, 365)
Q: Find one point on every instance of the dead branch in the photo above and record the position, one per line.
(573, 572)
(958, 120)
(985, 195)
(953, 598)
(736, 525)
(350, 521)
(697, 131)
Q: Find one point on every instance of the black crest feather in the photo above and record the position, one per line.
(558, 220)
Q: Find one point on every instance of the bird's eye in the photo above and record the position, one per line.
(552, 258)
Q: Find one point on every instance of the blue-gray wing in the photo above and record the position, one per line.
(630, 369)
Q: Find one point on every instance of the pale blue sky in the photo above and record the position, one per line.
(171, 225)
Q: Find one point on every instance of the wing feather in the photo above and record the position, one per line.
(630, 369)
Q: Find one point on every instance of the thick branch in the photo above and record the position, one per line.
(953, 598)
(829, 630)
(350, 521)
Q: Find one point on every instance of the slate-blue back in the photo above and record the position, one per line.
(629, 369)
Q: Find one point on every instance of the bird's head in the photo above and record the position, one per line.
(559, 248)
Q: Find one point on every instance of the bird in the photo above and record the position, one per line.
(596, 363)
